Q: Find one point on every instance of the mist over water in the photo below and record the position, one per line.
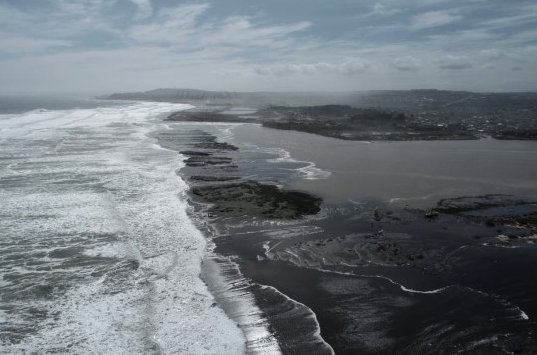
(15, 104)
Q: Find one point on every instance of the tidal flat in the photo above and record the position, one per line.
(408, 250)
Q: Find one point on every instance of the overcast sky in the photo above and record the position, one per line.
(243, 45)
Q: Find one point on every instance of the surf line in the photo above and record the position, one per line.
(268, 251)
(402, 287)
(406, 289)
(317, 333)
(523, 315)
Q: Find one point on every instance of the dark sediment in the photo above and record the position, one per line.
(207, 163)
(210, 166)
(356, 250)
(207, 160)
(205, 116)
(257, 200)
(513, 218)
(482, 287)
(215, 145)
(213, 178)
(466, 283)
(193, 153)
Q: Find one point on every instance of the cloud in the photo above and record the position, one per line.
(492, 54)
(350, 66)
(434, 19)
(353, 66)
(241, 31)
(457, 38)
(453, 62)
(146, 43)
(117, 69)
(172, 25)
(518, 16)
(524, 37)
(60, 19)
(12, 18)
(383, 10)
(80, 7)
(19, 45)
(181, 26)
(406, 63)
(145, 9)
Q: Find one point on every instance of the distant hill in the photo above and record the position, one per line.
(255, 99)
(175, 95)
(408, 100)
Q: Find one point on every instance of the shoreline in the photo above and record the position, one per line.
(392, 254)
(371, 275)
(358, 124)
(99, 252)
(223, 275)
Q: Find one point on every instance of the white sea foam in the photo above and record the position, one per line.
(400, 199)
(87, 192)
(406, 289)
(401, 286)
(521, 315)
(309, 172)
(230, 288)
(313, 316)
(312, 172)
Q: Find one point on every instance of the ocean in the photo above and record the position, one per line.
(103, 250)
(98, 254)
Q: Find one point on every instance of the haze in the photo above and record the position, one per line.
(128, 45)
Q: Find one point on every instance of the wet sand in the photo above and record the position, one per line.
(380, 278)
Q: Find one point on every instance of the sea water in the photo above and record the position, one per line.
(97, 252)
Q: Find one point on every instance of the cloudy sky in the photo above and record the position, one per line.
(104, 46)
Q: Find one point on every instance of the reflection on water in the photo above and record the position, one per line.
(240, 111)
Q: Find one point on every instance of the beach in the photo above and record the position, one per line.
(253, 240)
(371, 272)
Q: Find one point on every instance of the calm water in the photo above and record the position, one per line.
(453, 290)
(416, 173)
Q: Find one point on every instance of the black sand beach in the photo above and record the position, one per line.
(379, 277)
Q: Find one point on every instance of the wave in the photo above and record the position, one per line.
(521, 314)
(320, 345)
(308, 172)
(102, 254)
(234, 294)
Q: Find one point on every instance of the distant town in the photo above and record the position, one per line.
(372, 115)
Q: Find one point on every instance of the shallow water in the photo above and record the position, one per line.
(417, 173)
(402, 284)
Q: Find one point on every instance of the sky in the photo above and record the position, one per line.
(105, 46)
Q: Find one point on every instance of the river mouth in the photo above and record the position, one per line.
(378, 274)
